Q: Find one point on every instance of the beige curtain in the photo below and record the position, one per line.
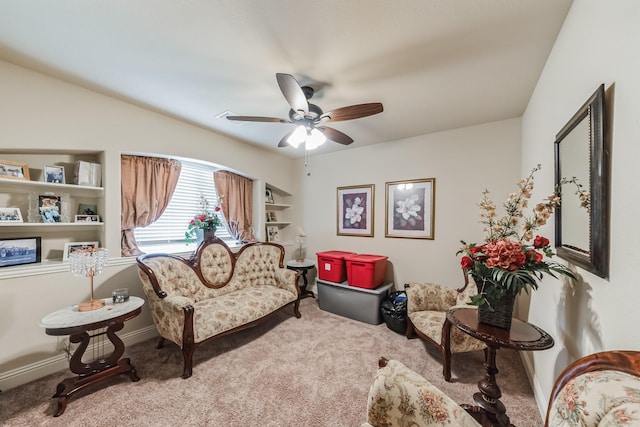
(237, 203)
(146, 189)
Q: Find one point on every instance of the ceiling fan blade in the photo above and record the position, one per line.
(283, 142)
(257, 119)
(292, 92)
(353, 112)
(335, 135)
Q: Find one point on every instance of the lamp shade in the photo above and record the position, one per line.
(89, 262)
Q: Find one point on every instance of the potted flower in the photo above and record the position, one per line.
(512, 257)
(203, 225)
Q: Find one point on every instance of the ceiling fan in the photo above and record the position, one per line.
(310, 118)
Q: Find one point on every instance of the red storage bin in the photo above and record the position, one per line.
(366, 271)
(331, 265)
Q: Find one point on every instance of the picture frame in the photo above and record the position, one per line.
(87, 218)
(268, 197)
(271, 216)
(50, 207)
(410, 208)
(14, 170)
(273, 233)
(20, 250)
(87, 209)
(53, 174)
(355, 210)
(10, 215)
(70, 247)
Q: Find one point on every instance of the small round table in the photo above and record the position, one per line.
(302, 267)
(77, 324)
(521, 336)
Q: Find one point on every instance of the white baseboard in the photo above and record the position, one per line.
(53, 364)
(541, 400)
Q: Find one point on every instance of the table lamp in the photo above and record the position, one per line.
(88, 262)
(300, 239)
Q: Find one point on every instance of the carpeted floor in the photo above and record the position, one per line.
(312, 371)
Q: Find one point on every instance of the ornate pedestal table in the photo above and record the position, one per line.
(490, 411)
(302, 267)
(78, 325)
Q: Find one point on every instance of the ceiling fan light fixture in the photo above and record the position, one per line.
(315, 139)
(297, 137)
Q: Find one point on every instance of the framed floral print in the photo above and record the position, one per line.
(355, 211)
(410, 208)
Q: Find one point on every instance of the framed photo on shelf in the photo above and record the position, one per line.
(54, 174)
(49, 206)
(87, 218)
(14, 170)
(268, 197)
(410, 208)
(271, 216)
(85, 209)
(19, 251)
(355, 211)
(70, 247)
(10, 215)
(273, 233)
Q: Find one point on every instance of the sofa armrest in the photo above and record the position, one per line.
(287, 279)
(429, 297)
(401, 397)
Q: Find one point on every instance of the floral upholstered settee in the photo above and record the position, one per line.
(215, 292)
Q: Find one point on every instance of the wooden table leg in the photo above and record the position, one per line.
(488, 399)
(95, 371)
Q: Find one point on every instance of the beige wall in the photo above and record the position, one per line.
(598, 43)
(41, 113)
(463, 161)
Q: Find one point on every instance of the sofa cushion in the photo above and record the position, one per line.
(217, 315)
(430, 323)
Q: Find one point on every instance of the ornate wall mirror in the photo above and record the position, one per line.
(582, 180)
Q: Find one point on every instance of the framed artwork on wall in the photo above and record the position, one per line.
(355, 210)
(410, 208)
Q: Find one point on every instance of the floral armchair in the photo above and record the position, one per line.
(599, 390)
(602, 389)
(427, 306)
(400, 397)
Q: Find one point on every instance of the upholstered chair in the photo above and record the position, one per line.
(427, 306)
(400, 397)
(602, 389)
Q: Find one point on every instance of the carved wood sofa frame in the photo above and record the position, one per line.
(220, 271)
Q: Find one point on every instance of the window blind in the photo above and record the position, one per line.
(195, 179)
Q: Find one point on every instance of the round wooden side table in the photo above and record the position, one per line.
(522, 336)
(78, 325)
(303, 267)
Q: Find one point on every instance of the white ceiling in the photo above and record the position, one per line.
(434, 64)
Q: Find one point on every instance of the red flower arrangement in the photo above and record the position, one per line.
(506, 263)
(206, 220)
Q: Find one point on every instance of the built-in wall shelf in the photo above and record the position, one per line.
(276, 206)
(24, 185)
(42, 226)
(278, 223)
